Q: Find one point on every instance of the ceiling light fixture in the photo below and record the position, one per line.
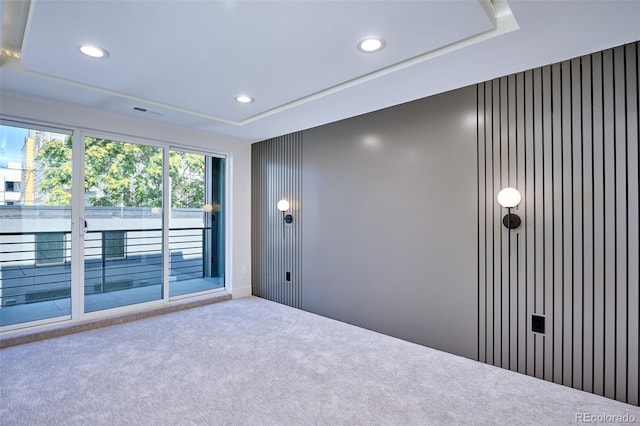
(93, 51)
(371, 44)
(10, 53)
(244, 99)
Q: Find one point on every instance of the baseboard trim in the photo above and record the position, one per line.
(241, 292)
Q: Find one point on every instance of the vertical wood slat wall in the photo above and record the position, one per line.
(566, 136)
(276, 174)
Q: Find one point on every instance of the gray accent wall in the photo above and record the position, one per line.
(390, 224)
(399, 231)
(387, 221)
(565, 135)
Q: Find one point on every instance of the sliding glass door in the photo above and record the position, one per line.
(196, 224)
(127, 248)
(35, 224)
(123, 260)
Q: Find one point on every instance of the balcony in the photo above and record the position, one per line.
(122, 267)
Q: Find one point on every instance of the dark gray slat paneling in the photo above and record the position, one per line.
(589, 284)
(567, 224)
(264, 234)
(587, 224)
(254, 228)
(547, 228)
(517, 300)
(274, 267)
(507, 237)
(482, 221)
(258, 193)
(256, 220)
(621, 282)
(523, 155)
(633, 299)
(498, 233)
(538, 217)
(296, 162)
(292, 243)
(290, 247)
(300, 233)
(285, 175)
(269, 229)
(515, 175)
(610, 223)
(530, 98)
(271, 244)
(598, 224)
(276, 174)
(265, 272)
(556, 245)
(297, 189)
(492, 224)
(577, 219)
(277, 191)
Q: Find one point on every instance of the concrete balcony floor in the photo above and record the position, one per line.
(35, 311)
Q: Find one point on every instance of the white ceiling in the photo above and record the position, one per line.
(185, 61)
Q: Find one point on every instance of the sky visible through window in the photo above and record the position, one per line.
(11, 142)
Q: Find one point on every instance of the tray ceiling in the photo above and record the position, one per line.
(185, 61)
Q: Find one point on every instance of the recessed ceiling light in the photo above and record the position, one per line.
(10, 53)
(93, 51)
(371, 44)
(244, 99)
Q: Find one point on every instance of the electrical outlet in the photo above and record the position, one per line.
(537, 323)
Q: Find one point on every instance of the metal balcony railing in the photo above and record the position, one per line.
(36, 266)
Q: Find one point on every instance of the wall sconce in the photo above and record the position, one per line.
(510, 197)
(283, 206)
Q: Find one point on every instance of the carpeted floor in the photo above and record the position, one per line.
(254, 362)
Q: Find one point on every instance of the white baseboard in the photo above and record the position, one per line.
(239, 292)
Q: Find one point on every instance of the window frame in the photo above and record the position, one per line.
(62, 249)
(122, 237)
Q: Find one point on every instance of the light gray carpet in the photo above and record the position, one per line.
(254, 362)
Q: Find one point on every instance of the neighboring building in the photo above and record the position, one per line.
(19, 181)
(10, 184)
(32, 172)
(28, 171)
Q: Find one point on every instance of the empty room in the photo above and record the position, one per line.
(328, 212)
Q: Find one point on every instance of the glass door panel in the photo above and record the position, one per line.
(35, 225)
(196, 224)
(123, 259)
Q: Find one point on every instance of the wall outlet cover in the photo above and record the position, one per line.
(537, 323)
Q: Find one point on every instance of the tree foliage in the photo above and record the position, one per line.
(121, 174)
(55, 160)
(186, 171)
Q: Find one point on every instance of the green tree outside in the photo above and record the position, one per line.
(121, 174)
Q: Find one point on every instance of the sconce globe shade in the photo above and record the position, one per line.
(283, 205)
(509, 197)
